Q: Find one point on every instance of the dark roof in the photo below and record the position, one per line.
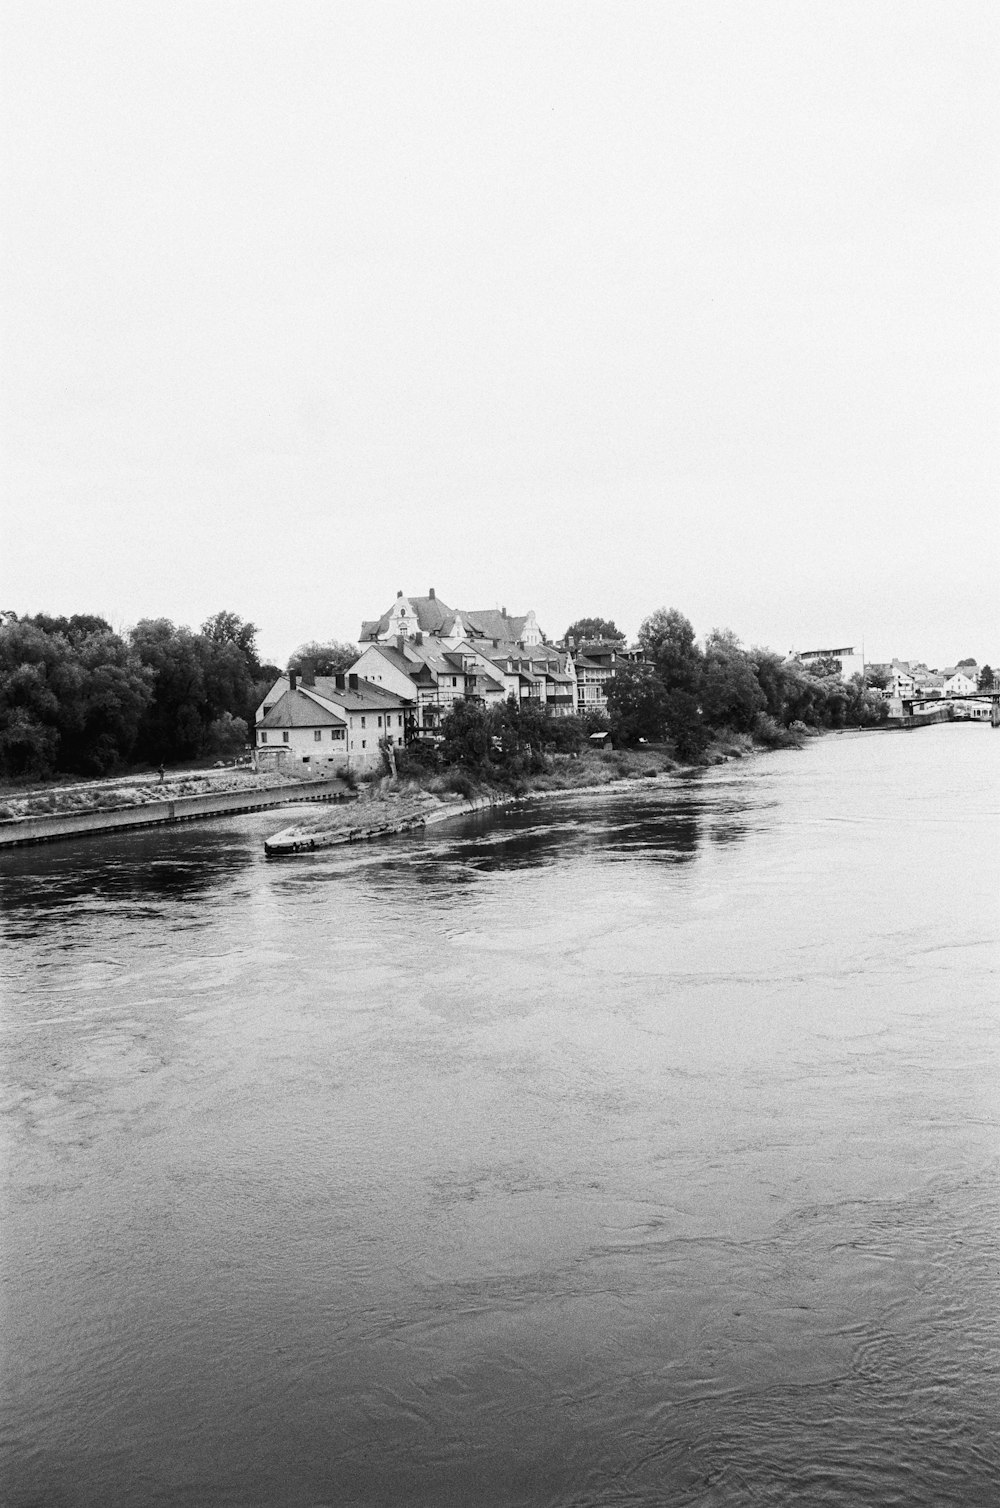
(491, 623)
(296, 710)
(367, 695)
(432, 616)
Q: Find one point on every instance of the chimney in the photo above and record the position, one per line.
(293, 680)
(308, 672)
(503, 612)
(352, 682)
(340, 682)
(419, 638)
(430, 593)
(399, 594)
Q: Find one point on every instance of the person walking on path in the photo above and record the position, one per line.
(161, 771)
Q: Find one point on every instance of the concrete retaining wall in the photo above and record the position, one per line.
(154, 813)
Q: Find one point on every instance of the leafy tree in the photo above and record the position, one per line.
(331, 658)
(987, 679)
(467, 734)
(174, 725)
(594, 628)
(686, 725)
(668, 639)
(968, 662)
(230, 628)
(71, 696)
(731, 696)
(877, 676)
(637, 704)
(864, 707)
(227, 735)
(565, 734)
(596, 720)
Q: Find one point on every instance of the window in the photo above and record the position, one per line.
(284, 738)
(400, 719)
(263, 737)
(362, 724)
(364, 743)
(317, 734)
(380, 719)
(336, 733)
(454, 680)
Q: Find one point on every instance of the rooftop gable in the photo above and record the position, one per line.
(296, 709)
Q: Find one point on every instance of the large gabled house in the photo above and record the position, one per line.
(424, 648)
(432, 673)
(429, 616)
(960, 680)
(322, 724)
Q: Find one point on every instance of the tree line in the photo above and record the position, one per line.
(689, 692)
(77, 697)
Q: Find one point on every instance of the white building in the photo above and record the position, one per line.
(328, 723)
(848, 661)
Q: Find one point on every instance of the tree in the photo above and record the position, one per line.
(230, 628)
(686, 726)
(593, 629)
(330, 658)
(71, 696)
(966, 663)
(637, 704)
(987, 679)
(668, 639)
(731, 696)
(173, 726)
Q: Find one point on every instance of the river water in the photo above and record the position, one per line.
(629, 1148)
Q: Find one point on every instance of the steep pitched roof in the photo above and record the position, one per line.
(491, 623)
(297, 710)
(433, 617)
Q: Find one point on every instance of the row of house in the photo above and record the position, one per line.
(906, 678)
(414, 663)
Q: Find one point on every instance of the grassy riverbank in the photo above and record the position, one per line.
(391, 804)
(381, 800)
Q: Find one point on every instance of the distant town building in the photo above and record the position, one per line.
(410, 616)
(845, 662)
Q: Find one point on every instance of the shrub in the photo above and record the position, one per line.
(773, 736)
(459, 781)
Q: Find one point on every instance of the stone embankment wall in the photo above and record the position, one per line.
(155, 813)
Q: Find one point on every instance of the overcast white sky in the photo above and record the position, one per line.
(590, 308)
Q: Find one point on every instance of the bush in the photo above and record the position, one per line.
(418, 757)
(773, 736)
(459, 781)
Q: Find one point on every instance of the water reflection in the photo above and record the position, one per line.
(133, 874)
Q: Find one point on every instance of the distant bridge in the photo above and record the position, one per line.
(975, 706)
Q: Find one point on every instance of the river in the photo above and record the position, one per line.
(627, 1148)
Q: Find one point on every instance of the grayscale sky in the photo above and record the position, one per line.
(590, 308)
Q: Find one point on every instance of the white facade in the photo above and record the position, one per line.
(851, 662)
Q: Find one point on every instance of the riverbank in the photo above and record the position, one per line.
(51, 826)
(391, 806)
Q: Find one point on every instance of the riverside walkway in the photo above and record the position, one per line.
(50, 827)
